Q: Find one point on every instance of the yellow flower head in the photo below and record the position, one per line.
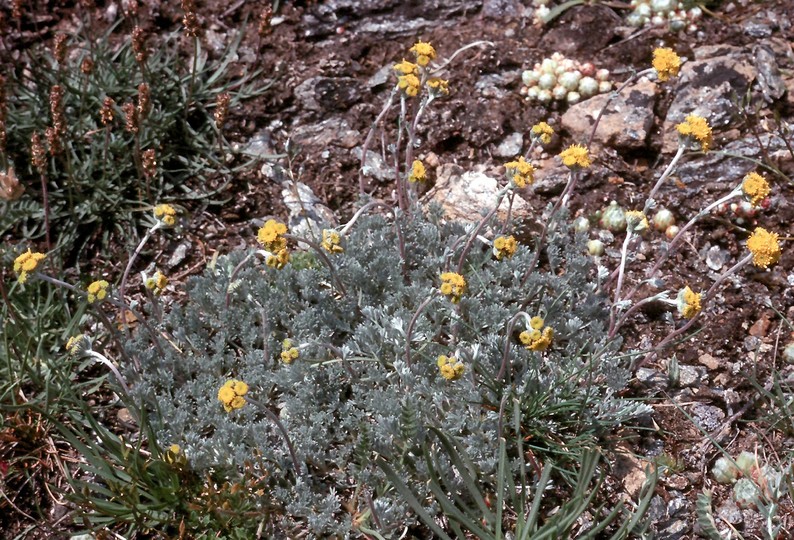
(418, 172)
(696, 129)
(666, 63)
(406, 68)
(636, 221)
(26, 263)
(688, 302)
(542, 131)
(270, 235)
(289, 352)
(408, 84)
(332, 241)
(764, 246)
(424, 53)
(279, 260)
(438, 86)
(77, 344)
(175, 456)
(156, 283)
(575, 156)
(504, 247)
(166, 214)
(97, 290)
(450, 367)
(231, 394)
(537, 339)
(756, 188)
(520, 173)
(453, 285)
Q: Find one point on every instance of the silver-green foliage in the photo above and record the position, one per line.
(352, 395)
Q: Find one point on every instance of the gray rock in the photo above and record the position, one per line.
(625, 123)
(328, 93)
(676, 505)
(330, 132)
(757, 28)
(179, 254)
(770, 79)
(674, 530)
(708, 416)
(707, 87)
(716, 258)
(260, 145)
(652, 377)
(466, 196)
(706, 169)
(498, 9)
(382, 76)
(730, 512)
(689, 376)
(307, 213)
(511, 146)
(374, 165)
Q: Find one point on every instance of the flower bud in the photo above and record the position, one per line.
(595, 248)
(663, 219)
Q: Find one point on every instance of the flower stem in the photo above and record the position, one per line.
(272, 416)
(612, 96)
(112, 368)
(706, 297)
(499, 198)
(123, 286)
(667, 172)
(368, 140)
(321, 252)
(621, 275)
(410, 328)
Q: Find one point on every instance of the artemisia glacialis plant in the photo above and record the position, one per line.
(391, 325)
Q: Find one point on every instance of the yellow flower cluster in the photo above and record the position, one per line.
(764, 246)
(688, 302)
(450, 367)
(504, 247)
(271, 236)
(438, 86)
(575, 156)
(231, 394)
(289, 352)
(97, 290)
(332, 242)
(77, 344)
(26, 263)
(175, 456)
(756, 188)
(424, 53)
(407, 68)
(538, 338)
(520, 172)
(156, 283)
(542, 131)
(408, 84)
(666, 63)
(166, 214)
(279, 260)
(453, 285)
(418, 172)
(696, 129)
(636, 221)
